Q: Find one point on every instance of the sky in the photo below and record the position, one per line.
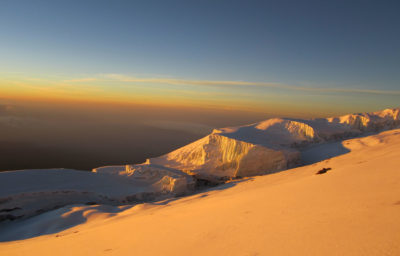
(293, 58)
(91, 83)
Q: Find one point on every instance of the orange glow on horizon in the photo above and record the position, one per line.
(181, 105)
(53, 92)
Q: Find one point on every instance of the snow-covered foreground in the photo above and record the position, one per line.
(27, 193)
(353, 208)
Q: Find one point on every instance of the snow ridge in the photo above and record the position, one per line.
(268, 146)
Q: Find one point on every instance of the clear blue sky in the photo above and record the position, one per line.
(340, 45)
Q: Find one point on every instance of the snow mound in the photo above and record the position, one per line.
(162, 178)
(272, 132)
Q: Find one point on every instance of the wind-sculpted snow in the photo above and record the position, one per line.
(30, 192)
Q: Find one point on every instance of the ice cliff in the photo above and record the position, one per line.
(267, 146)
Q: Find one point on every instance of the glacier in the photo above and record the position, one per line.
(268, 146)
(228, 153)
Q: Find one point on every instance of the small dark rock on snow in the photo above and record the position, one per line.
(323, 170)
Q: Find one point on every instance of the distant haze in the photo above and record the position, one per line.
(84, 136)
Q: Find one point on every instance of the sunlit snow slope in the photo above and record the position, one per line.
(352, 209)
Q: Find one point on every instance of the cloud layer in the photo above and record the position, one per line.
(226, 83)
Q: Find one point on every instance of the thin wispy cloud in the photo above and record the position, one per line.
(88, 79)
(226, 83)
